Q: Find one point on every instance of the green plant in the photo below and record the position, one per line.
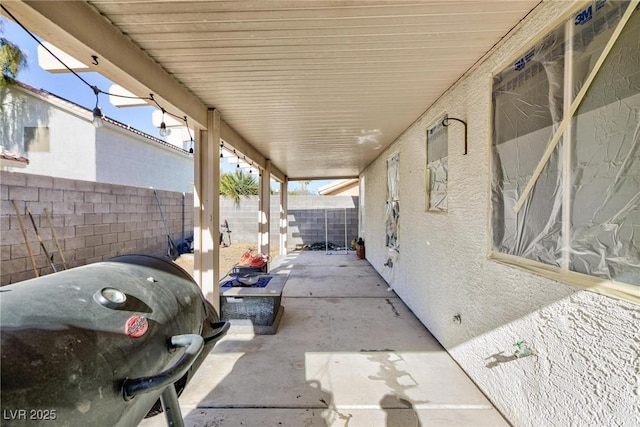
(237, 184)
(12, 61)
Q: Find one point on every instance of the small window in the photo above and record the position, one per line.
(36, 140)
(392, 214)
(437, 171)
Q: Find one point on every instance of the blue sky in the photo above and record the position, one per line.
(70, 87)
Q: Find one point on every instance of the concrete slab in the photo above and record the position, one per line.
(275, 370)
(318, 417)
(428, 380)
(355, 357)
(315, 274)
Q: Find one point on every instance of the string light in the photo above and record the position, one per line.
(186, 124)
(163, 127)
(98, 122)
(98, 117)
(221, 147)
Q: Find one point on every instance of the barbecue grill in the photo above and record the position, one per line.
(102, 344)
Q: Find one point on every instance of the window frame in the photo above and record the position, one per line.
(427, 203)
(390, 200)
(36, 139)
(608, 287)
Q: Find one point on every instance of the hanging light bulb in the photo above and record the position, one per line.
(98, 122)
(186, 124)
(163, 129)
(163, 126)
(97, 111)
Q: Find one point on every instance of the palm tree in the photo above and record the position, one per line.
(12, 60)
(238, 184)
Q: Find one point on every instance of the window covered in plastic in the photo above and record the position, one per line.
(566, 124)
(437, 167)
(392, 214)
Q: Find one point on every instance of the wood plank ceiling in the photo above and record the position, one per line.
(319, 87)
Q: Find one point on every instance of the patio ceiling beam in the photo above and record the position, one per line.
(79, 30)
(315, 178)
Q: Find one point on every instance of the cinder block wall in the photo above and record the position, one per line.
(310, 216)
(97, 221)
(93, 222)
(242, 218)
(306, 216)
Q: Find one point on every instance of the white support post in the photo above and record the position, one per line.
(326, 233)
(265, 208)
(207, 210)
(198, 152)
(284, 222)
(346, 248)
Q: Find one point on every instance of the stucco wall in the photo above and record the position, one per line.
(585, 371)
(72, 151)
(130, 159)
(77, 150)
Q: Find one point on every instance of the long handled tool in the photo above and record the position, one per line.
(26, 240)
(172, 249)
(55, 238)
(44, 248)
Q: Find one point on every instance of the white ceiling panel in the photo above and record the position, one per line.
(318, 87)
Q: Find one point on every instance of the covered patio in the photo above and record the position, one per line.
(495, 145)
(301, 90)
(348, 352)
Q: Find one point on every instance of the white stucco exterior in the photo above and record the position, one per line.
(585, 370)
(77, 150)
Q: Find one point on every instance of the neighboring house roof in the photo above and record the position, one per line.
(11, 159)
(58, 100)
(336, 187)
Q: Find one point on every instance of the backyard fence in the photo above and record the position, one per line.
(91, 221)
(96, 221)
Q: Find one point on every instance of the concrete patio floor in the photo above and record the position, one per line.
(347, 352)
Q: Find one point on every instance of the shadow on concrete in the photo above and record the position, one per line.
(351, 354)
